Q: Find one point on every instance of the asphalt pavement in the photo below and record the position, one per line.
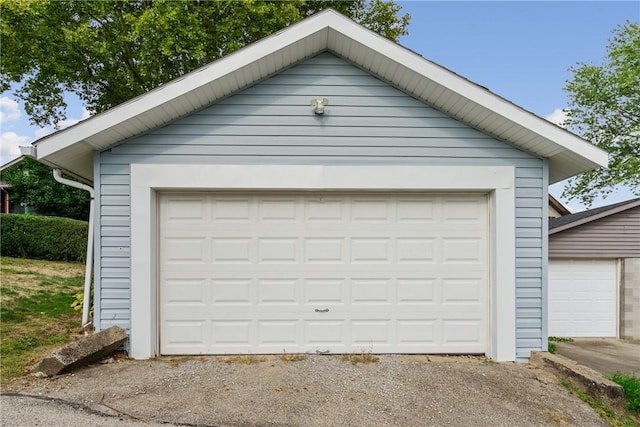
(604, 355)
(317, 391)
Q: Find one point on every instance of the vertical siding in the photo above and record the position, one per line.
(367, 122)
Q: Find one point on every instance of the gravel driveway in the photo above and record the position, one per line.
(318, 391)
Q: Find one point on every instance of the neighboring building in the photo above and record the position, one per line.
(594, 272)
(7, 204)
(407, 215)
(557, 209)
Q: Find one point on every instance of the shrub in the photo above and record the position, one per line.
(43, 237)
(631, 385)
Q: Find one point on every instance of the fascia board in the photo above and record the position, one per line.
(11, 163)
(472, 92)
(556, 136)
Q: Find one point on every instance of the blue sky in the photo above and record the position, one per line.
(521, 50)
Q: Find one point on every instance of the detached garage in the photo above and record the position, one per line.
(594, 272)
(322, 190)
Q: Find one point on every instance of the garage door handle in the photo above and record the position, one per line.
(326, 310)
(322, 352)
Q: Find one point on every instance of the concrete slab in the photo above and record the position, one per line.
(592, 381)
(605, 355)
(81, 352)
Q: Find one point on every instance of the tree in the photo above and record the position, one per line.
(605, 109)
(33, 184)
(107, 52)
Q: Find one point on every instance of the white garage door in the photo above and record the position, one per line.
(582, 298)
(247, 273)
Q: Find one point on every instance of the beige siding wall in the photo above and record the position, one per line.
(553, 213)
(616, 236)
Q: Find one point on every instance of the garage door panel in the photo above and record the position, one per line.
(338, 273)
(185, 249)
(280, 292)
(325, 291)
(325, 250)
(184, 291)
(326, 332)
(416, 291)
(416, 333)
(416, 250)
(278, 209)
(371, 331)
(185, 209)
(232, 250)
(231, 209)
(462, 291)
(279, 332)
(582, 298)
(232, 334)
(462, 331)
(324, 211)
(415, 210)
(232, 291)
(187, 333)
(460, 210)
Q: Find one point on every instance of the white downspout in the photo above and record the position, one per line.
(57, 175)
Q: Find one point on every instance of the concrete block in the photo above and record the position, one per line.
(592, 381)
(81, 352)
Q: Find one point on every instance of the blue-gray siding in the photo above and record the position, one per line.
(367, 122)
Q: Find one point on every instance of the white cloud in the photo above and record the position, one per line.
(9, 110)
(558, 117)
(9, 143)
(62, 124)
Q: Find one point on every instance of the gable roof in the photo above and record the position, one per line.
(72, 148)
(566, 222)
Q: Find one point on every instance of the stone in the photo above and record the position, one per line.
(82, 352)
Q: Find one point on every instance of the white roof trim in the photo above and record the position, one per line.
(11, 163)
(71, 148)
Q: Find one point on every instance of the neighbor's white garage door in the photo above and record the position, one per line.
(582, 298)
(246, 273)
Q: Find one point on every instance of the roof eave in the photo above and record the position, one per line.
(596, 217)
(568, 154)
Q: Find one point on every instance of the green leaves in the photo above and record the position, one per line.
(107, 52)
(605, 110)
(32, 183)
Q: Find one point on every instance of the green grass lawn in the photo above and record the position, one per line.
(35, 310)
(631, 385)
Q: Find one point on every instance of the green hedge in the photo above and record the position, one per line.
(43, 237)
